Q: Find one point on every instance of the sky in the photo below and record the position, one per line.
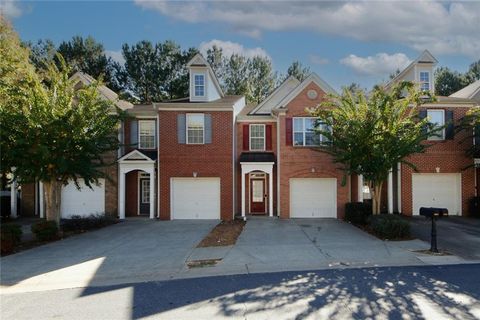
(342, 41)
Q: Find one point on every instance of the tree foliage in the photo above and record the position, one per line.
(449, 81)
(297, 70)
(51, 131)
(372, 134)
(155, 72)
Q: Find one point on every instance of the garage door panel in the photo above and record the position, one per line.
(83, 202)
(313, 198)
(437, 190)
(195, 198)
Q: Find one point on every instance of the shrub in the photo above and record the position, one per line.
(357, 212)
(45, 230)
(474, 206)
(80, 224)
(388, 226)
(11, 235)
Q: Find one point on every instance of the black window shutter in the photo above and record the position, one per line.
(422, 114)
(477, 136)
(450, 125)
(181, 129)
(134, 133)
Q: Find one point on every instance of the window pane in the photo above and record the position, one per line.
(298, 139)
(436, 117)
(146, 130)
(257, 131)
(256, 144)
(199, 84)
(309, 123)
(297, 124)
(312, 139)
(195, 123)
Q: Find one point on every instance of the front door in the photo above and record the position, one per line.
(144, 196)
(258, 195)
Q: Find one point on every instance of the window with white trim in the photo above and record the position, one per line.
(195, 128)
(145, 191)
(425, 80)
(199, 82)
(437, 118)
(304, 132)
(146, 134)
(257, 137)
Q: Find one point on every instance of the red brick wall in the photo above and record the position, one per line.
(240, 149)
(208, 160)
(449, 156)
(297, 162)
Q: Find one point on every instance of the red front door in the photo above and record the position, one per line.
(258, 195)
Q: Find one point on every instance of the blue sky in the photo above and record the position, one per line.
(343, 42)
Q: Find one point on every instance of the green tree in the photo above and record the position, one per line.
(49, 131)
(473, 73)
(155, 72)
(470, 123)
(353, 88)
(297, 70)
(235, 77)
(261, 79)
(448, 82)
(372, 134)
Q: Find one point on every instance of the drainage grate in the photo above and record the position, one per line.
(203, 263)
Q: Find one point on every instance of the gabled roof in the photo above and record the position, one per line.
(105, 92)
(425, 57)
(472, 91)
(135, 155)
(266, 106)
(199, 61)
(295, 92)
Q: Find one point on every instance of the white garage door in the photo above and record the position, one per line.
(437, 190)
(83, 202)
(313, 198)
(195, 198)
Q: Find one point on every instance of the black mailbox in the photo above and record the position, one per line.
(433, 213)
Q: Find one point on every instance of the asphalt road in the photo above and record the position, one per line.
(429, 292)
(457, 235)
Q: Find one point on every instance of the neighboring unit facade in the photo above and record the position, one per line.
(211, 156)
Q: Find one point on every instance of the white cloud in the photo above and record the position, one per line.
(115, 55)
(10, 9)
(230, 48)
(442, 27)
(316, 59)
(379, 64)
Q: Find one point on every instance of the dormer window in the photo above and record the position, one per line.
(199, 85)
(425, 80)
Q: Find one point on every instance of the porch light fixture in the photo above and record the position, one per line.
(195, 174)
(437, 169)
(313, 169)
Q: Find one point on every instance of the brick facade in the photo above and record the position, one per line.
(207, 160)
(447, 155)
(304, 162)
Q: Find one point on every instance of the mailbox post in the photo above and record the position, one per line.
(433, 213)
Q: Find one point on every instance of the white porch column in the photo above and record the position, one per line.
(121, 195)
(270, 194)
(243, 194)
(13, 199)
(152, 193)
(41, 200)
(399, 187)
(360, 188)
(390, 192)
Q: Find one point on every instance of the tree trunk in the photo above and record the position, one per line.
(53, 191)
(376, 197)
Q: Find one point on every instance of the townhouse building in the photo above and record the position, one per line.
(212, 156)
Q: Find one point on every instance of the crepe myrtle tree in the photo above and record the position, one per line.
(58, 134)
(372, 133)
(470, 123)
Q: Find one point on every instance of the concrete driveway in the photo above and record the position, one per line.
(144, 250)
(457, 235)
(128, 251)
